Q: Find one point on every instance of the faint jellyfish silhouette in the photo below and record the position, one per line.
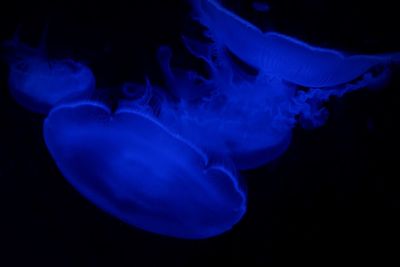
(259, 85)
(260, 6)
(38, 82)
(133, 167)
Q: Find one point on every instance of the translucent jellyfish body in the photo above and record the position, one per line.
(238, 118)
(131, 166)
(258, 86)
(38, 83)
(282, 56)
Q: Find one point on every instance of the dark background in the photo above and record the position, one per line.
(332, 197)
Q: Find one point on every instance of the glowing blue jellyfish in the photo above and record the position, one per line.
(133, 167)
(282, 56)
(248, 112)
(39, 83)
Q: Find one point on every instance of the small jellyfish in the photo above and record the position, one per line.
(38, 83)
(133, 167)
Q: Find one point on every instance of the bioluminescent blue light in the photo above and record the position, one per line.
(247, 112)
(280, 55)
(38, 83)
(238, 118)
(130, 165)
(165, 159)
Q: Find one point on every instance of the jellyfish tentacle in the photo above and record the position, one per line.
(182, 83)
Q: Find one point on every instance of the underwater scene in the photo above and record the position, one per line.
(199, 132)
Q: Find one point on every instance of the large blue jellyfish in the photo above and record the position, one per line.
(259, 85)
(133, 167)
(38, 83)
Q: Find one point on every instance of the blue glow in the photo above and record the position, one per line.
(238, 118)
(165, 160)
(248, 115)
(281, 56)
(38, 83)
(133, 167)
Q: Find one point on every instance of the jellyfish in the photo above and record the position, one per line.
(232, 114)
(258, 86)
(282, 56)
(133, 167)
(38, 82)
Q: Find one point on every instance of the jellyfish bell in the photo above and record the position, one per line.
(130, 165)
(39, 83)
(247, 145)
(39, 86)
(282, 56)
